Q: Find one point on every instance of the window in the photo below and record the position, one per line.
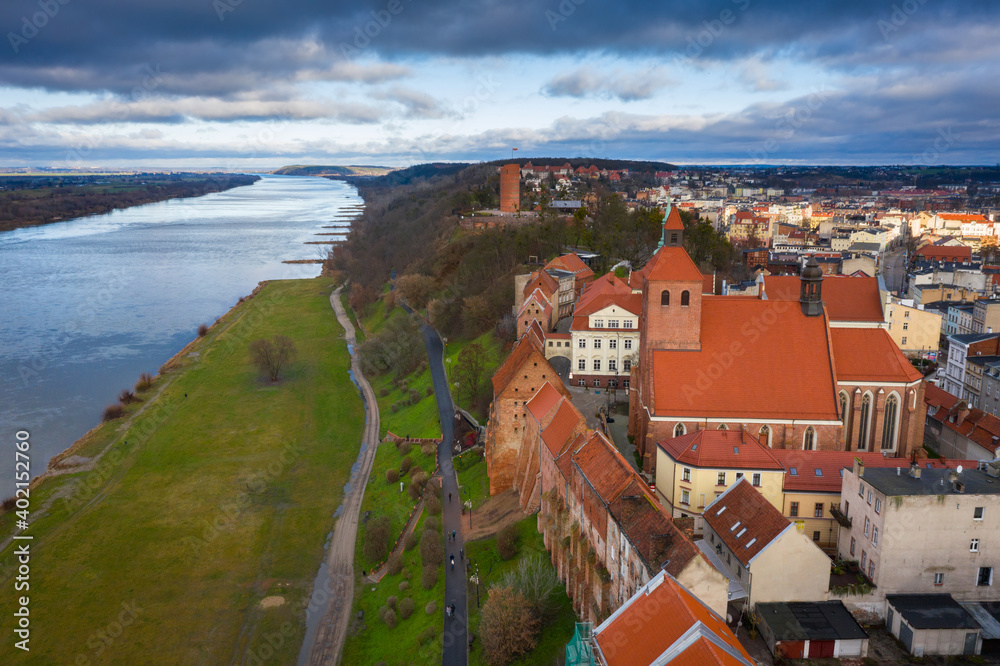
(756, 479)
(626, 382)
(847, 508)
(612, 365)
(809, 439)
(685, 298)
(627, 367)
(875, 537)
(686, 474)
(598, 323)
(665, 297)
(581, 364)
(581, 382)
(906, 314)
(871, 570)
(861, 490)
(889, 423)
(906, 325)
(985, 578)
(866, 407)
(627, 324)
(597, 383)
(685, 497)
(721, 480)
(723, 426)
(793, 510)
(597, 364)
(974, 546)
(878, 505)
(583, 343)
(864, 560)
(852, 546)
(939, 579)
(869, 497)
(764, 435)
(612, 323)
(679, 430)
(612, 344)
(628, 343)
(818, 510)
(597, 343)
(977, 513)
(868, 525)
(739, 475)
(816, 537)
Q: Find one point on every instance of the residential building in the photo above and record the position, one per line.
(986, 316)
(922, 531)
(974, 370)
(535, 309)
(582, 274)
(960, 347)
(914, 329)
(929, 293)
(954, 430)
(762, 551)
(662, 623)
(605, 334)
(959, 320)
(990, 395)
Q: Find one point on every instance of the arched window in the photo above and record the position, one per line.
(685, 298)
(723, 426)
(845, 418)
(865, 423)
(809, 439)
(665, 297)
(679, 430)
(764, 435)
(889, 423)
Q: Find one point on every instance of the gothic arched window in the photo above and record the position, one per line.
(679, 430)
(889, 423)
(665, 297)
(764, 435)
(809, 439)
(866, 421)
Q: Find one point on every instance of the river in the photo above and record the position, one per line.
(88, 304)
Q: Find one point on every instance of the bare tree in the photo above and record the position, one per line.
(471, 368)
(507, 625)
(270, 356)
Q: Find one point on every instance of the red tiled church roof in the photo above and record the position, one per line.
(846, 298)
(673, 264)
(870, 355)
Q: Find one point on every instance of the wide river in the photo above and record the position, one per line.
(86, 305)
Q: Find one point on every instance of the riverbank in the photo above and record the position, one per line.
(29, 201)
(220, 487)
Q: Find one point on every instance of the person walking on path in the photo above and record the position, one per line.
(461, 554)
(453, 561)
(449, 498)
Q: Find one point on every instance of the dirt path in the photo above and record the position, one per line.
(332, 630)
(495, 514)
(376, 576)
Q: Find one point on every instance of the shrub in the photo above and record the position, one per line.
(395, 565)
(429, 635)
(202, 330)
(429, 577)
(392, 475)
(507, 626)
(406, 607)
(112, 412)
(429, 449)
(536, 580)
(391, 602)
(405, 448)
(411, 541)
(377, 538)
(9, 504)
(419, 478)
(431, 548)
(270, 356)
(405, 465)
(414, 396)
(433, 505)
(507, 542)
(430, 390)
(395, 407)
(388, 616)
(404, 585)
(414, 491)
(431, 607)
(126, 397)
(145, 382)
(383, 393)
(432, 523)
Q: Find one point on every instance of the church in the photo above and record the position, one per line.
(794, 370)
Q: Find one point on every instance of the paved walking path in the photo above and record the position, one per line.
(376, 576)
(329, 640)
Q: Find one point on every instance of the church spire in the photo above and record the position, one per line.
(666, 214)
(673, 227)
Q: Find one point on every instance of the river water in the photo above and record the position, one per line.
(88, 304)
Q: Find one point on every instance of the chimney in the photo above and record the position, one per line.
(915, 471)
(859, 467)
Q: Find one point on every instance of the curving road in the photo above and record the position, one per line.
(326, 645)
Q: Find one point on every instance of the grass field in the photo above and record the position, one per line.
(223, 495)
(473, 481)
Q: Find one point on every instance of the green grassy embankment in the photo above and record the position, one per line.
(223, 495)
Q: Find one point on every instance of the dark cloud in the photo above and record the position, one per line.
(627, 86)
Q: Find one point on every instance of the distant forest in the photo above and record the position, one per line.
(32, 200)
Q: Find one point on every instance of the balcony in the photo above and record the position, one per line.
(840, 516)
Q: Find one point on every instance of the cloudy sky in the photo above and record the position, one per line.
(239, 83)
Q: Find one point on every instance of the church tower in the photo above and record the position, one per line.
(811, 290)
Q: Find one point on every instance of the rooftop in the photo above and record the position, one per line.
(932, 611)
(744, 520)
(898, 482)
(815, 621)
(729, 449)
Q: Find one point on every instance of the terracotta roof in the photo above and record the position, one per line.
(870, 355)
(800, 467)
(673, 221)
(744, 520)
(655, 619)
(542, 280)
(729, 449)
(977, 425)
(960, 217)
(846, 298)
(523, 349)
(606, 285)
(564, 460)
(572, 263)
(603, 466)
(543, 401)
(945, 252)
(537, 297)
(564, 424)
(628, 301)
(674, 264)
(708, 284)
(756, 381)
(558, 336)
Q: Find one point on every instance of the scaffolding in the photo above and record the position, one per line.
(580, 649)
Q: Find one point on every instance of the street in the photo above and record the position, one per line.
(894, 270)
